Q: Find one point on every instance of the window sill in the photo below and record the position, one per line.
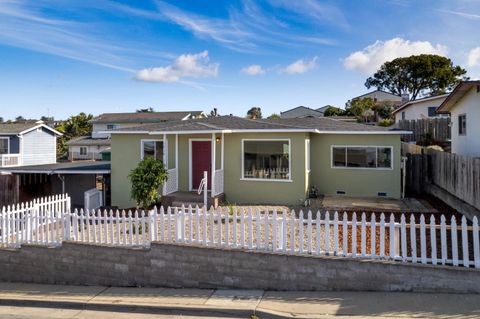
(266, 180)
(365, 168)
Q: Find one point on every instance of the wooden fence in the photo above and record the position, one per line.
(425, 131)
(458, 175)
(398, 238)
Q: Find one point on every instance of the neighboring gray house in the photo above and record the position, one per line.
(94, 147)
(24, 144)
(303, 111)
(382, 96)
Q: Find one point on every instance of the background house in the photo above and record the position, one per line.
(97, 146)
(27, 144)
(303, 111)
(463, 104)
(420, 109)
(382, 96)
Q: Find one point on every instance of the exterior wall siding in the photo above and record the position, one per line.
(354, 182)
(468, 144)
(39, 147)
(265, 192)
(419, 110)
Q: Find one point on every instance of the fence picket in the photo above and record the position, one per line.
(190, 225)
(318, 228)
(393, 233)
(274, 230)
(284, 230)
(466, 259)
(443, 238)
(309, 232)
(363, 235)
(453, 226)
(423, 240)
(327, 232)
(413, 239)
(345, 234)
(266, 235)
(382, 235)
(373, 235)
(476, 244)
(292, 231)
(433, 239)
(242, 228)
(234, 227)
(300, 232)
(403, 234)
(354, 234)
(124, 223)
(258, 244)
(130, 228)
(335, 234)
(250, 229)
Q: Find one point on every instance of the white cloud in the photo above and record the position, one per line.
(373, 56)
(185, 66)
(253, 69)
(301, 66)
(474, 57)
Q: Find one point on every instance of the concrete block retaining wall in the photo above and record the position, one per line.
(170, 265)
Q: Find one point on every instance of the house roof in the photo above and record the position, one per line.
(22, 128)
(410, 103)
(88, 140)
(457, 94)
(146, 117)
(320, 113)
(97, 167)
(368, 93)
(233, 124)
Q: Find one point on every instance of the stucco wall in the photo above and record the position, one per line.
(355, 182)
(265, 192)
(468, 144)
(166, 265)
(419, 110)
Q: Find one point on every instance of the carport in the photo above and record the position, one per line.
(73, 178)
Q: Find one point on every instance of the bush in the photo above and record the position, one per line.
(386, 122)
(146, 178)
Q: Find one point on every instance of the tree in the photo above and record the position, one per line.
(20, 119)
(254, 113)
(1, 119)
(146, 110)
(334, 111)
(46, 118)
(75, 126)
(361, 108)
(384, 109)
(146, 179)
(274, 116)
(417, 75)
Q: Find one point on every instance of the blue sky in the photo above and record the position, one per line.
(59, 58)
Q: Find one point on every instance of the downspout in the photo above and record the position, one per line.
(62, 178)
(404, 174)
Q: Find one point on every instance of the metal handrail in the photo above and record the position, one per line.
(204, 187)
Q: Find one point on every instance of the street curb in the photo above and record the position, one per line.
(167, 310)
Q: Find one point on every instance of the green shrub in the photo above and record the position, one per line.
(146, 178)
(386, 122)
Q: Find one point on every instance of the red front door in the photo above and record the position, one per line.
(201, 161)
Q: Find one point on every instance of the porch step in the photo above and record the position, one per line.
(178, 199)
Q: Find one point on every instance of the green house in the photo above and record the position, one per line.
(262, 161)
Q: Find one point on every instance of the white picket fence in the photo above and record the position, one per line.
(324, 234)
(36, 222)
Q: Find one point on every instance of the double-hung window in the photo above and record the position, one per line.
(83, 150)
(266, 160)
(4, 145)
(111, 126)
(372, 157)
(462, 124)
(152, 148)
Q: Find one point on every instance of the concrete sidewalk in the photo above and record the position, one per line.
(55, 301)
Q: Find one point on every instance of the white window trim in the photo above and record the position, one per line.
(363, 168)
(190, 179)
(308, 164)
(8, 143)
(165, 149)
(458, 123)
(243, 178)
(80, 150)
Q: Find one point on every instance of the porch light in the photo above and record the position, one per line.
(217, 139)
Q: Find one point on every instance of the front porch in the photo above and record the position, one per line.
(182, 172)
